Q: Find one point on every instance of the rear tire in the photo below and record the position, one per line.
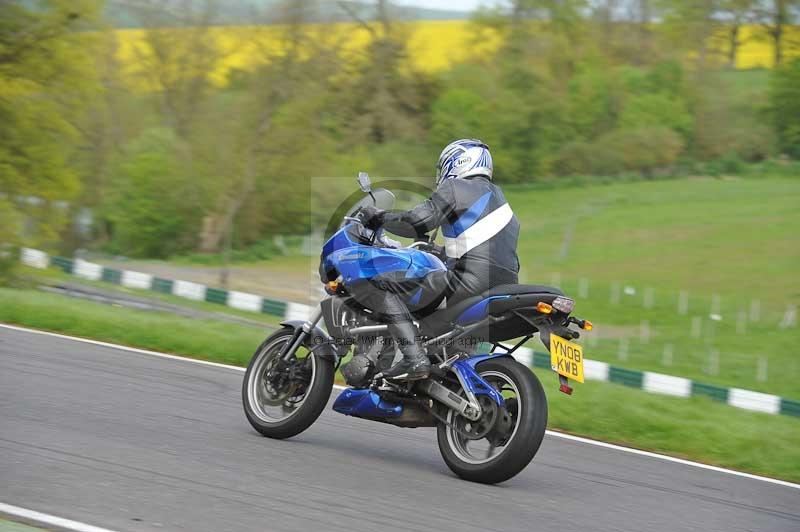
(526, 439)
(316, 396)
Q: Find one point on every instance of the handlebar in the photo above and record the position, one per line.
(430, 247)
(427, 246)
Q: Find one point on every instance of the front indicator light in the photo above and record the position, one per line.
(544, 308)
(332, 287)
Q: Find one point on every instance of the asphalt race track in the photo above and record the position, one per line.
(128, 441)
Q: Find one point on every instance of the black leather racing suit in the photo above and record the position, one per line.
(480, 233)
(479, 229)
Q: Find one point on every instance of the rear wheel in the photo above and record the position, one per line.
(282, 399)
(504, 440)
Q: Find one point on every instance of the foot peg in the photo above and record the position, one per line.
(407, 370)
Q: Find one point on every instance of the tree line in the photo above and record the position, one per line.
(578, 87)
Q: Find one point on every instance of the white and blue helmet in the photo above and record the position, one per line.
(464, 158)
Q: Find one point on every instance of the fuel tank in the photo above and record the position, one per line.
(349, 254)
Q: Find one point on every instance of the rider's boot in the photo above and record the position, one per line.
(414, 365)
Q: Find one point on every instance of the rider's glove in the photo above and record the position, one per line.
(372, 217)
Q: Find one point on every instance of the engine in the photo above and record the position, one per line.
(358, 371)
(369, 359)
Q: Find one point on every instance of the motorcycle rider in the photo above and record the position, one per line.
(480, 233)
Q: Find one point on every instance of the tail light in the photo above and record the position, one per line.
(564, 304)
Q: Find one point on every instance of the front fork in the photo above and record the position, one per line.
(300, 335)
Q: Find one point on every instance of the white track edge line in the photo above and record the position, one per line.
(556, 434)
(672, 459)
(47, 519)
(120, 347)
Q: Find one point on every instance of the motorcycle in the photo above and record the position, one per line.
(490, 411)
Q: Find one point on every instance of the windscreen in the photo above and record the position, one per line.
(383, 199)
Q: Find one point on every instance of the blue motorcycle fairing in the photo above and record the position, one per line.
(340, 239)
(356, 261)
(474, 382)
(477, 311)
(365, 403)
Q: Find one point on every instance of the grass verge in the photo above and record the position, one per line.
(14, 526)
(229, 343)
(693, 428)
(54, 277)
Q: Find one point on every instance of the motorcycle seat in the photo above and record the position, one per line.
(442, 319)
(515, 289)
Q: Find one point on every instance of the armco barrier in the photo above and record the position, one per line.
(593, 369)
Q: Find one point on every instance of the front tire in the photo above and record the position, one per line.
(285, 411)
(530, 421)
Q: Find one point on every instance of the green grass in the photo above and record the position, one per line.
(54, 276)
(13, 526)
(695, 428)
(737, 237)
(735, 240)
(205, 339)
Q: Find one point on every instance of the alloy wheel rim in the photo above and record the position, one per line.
(272, 409)
(468, 450)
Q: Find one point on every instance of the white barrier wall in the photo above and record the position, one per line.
(595, 370)
(523, 355)
(297, 311)
(760, 402)
(189, 290)
(136, 280)
(666, 384)
(87, 270)
(35, 258)
(243, 301)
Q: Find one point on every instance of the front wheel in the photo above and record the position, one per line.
(504, 441)
(282, 399)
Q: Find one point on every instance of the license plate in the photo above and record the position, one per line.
(566, 358)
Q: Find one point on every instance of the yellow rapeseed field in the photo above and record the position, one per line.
(757, 52)
(433, 46)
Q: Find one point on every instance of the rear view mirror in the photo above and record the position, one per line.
(364, 182)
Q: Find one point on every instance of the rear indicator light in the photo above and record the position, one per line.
(544, 308)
